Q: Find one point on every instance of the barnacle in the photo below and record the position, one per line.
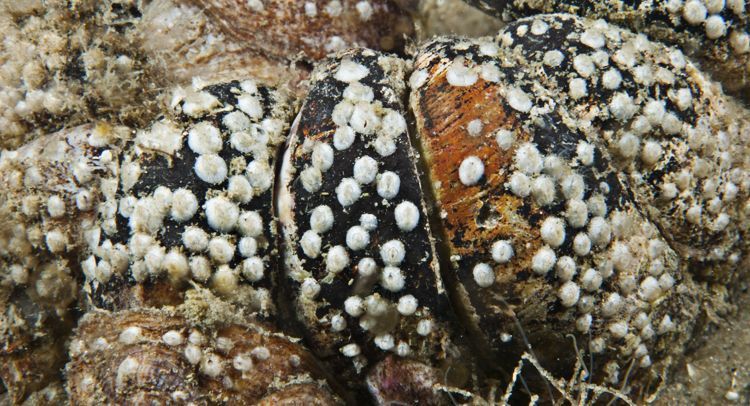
(287, 202)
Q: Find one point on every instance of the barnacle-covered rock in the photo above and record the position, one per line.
(717, 32)
(194, 203)
(360, 256)
(162, 356)
(567, 172)
(282, 29)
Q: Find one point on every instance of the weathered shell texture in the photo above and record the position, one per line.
(282, 29)
(584, 186)
(360, 256)
(194, 203)
(717, 33)
(159, 356)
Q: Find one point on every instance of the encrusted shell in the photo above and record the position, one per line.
(715, 32)
(149, 356)
(361, 260)
(550, 179)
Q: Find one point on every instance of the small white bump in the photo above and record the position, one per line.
(311, 179)
(483, 274)
(310, 242)
(321, 219)
(184, 205)
(357, 92)
(407, 216)
(364, 119)
(176, 265)
(471, 170)
(619, 329)
(350, 350)
(204, 138)
(337, 259)
(565, 269)
(384, 342)
(322, 156)
(343, 138)
(310, 288)
(502, 251)
(248, 246)
(518, 100)
(553, 231)
(220, 250)
(131, 335)
(583, 64)
(576, 213)
(357, 238)
(172, 338)
(353, 306)
(368, 221)
(211, 169)
(253, 269)
(519, 184)
(583, 323)
(591, 280)
(195, 239)
(543, 190)
(612, 304)
(585, 153)
(365, 170)
(505, 139)
(236, 121)
(459, 75)
(388, 184)
(612, 79)
(239, 189)
(221, 214)
(543, 261)
(393, 252)
(393, 124)
(366, 267)
(407, 305)
(424, 327)
(577, 88)
(553, 58)
(348, 192)
(392, 279)
(581, 244)
(694, 12)
(338, 323)
(573, 186)
(528, 159)
(250, 224)
(569, 293)
(622, 106)
(628, 145)
(55, 206)
(350, 71)
(600, 231)
(474, 128)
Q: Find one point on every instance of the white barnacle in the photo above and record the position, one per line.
(348, 192)
(518, 100)
(350, 71)
(388, 184)
(471, 170)
(393, 252)
(460, 75)
(337, 259)
(483, 274)
(221, 214)
(407, 216)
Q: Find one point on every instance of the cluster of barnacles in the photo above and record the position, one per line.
(319, 210)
